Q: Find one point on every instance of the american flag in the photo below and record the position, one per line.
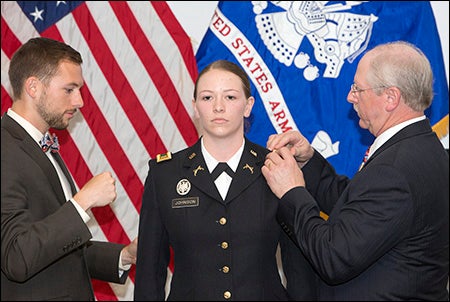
(139, 70)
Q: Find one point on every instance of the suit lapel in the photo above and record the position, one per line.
(30, 147)
(66, 172)
(421, 127)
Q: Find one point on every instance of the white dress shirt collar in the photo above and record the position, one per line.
(29, 128)
(233, 162)
(386, 135)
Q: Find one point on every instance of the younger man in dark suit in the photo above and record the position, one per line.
(46, 249)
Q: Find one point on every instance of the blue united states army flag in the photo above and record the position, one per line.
(301, 57)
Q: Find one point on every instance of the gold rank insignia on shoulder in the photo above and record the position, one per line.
(253, 153)
(163, 157)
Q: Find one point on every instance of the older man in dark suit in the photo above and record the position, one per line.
(387, 235)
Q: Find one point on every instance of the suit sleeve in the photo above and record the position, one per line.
(370, 217)
(103, 261)
(28, 247)
(323, 182)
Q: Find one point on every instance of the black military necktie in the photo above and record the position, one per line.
(221, 167)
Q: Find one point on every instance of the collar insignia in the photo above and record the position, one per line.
(247, 166)
(199, 168)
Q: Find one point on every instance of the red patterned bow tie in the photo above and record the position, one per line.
(49, 143)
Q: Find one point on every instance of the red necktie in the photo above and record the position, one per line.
(366, 156)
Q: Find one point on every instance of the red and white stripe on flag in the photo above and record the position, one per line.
(139, 70)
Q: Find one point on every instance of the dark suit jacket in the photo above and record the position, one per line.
(219, 246)
(46, 249)
(387, 236)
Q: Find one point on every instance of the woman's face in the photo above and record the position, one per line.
(221, 104)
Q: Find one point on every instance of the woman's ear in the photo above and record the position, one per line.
(249, 106)
(194, 105)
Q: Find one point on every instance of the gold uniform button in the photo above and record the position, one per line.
(223, 221)
(225, 269)
(224, 245)
(227, 295)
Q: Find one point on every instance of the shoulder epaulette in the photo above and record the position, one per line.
(163, 157)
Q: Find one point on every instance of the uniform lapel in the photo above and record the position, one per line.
(248, 170)
(197, 172)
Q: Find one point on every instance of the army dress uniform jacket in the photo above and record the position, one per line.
(223, 249)
(46, 249)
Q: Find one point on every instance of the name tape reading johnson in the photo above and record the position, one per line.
(185, 202)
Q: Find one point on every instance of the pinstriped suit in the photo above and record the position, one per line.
(387, 236)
